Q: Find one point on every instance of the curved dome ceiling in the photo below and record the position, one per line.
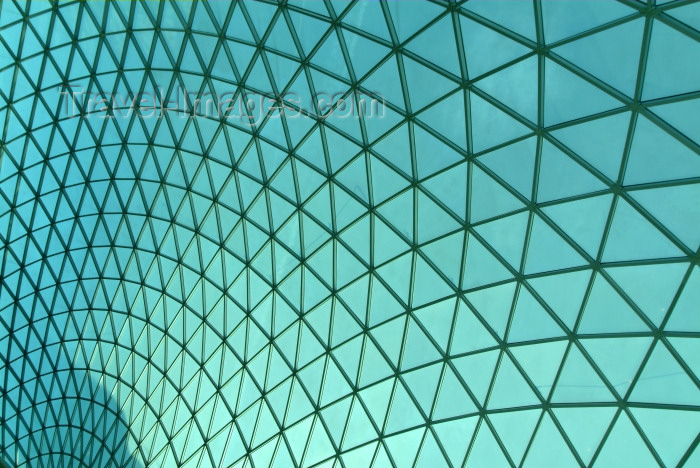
(493, 262)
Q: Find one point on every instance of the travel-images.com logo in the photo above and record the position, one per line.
(247, 107)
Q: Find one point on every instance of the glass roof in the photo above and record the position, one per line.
(350, 234)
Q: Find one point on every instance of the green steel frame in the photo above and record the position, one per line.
(169, 247)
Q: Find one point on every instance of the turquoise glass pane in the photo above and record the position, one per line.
(349, 233)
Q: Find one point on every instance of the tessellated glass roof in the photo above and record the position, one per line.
(350, 233)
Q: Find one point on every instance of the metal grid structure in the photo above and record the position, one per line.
(501, 269)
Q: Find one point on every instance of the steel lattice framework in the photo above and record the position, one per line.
(501, 269)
